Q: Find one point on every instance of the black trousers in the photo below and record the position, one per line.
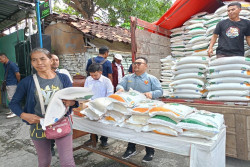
(148, 149)
(103, 138)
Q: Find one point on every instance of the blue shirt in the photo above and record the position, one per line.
(130, 69)
(143, 83)
(11, 77)
(107, 66)
(101, 88)
(26, 90)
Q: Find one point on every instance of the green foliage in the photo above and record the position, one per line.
(118, 12)
(68, 10)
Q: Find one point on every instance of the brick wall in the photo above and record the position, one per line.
(154, 47)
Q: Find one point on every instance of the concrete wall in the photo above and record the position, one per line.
(65, 39)
(153, 47)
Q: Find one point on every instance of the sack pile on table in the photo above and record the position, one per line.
(134, 111)
(229, 79)
(189, 77)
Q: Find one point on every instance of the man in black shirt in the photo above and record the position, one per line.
(231, 33)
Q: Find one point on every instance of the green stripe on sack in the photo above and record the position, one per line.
(193, 121)
(164, 118)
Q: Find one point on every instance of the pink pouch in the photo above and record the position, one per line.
(60, 129)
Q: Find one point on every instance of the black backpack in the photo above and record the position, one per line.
(94, 62)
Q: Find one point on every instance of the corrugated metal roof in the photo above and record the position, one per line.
(13, 11)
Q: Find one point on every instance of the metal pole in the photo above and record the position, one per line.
(39, 23)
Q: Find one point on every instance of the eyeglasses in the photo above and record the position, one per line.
(138, 63)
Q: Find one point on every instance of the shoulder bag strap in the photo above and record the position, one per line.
(38, 88)
(6, 74)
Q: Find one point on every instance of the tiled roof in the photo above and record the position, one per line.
(99, 30)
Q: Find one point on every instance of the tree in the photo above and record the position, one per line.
(116, 12)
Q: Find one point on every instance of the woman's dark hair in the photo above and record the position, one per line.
(95, 67)
(145, 59)
(43, 50)
(235, 4)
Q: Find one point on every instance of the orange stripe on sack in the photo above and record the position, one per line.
(200, 50)
(248, 72)
(157, 109)
(162, 133)
(247, 84)
(142, 110)
(117, 97)
(203, 91)
(109, 118)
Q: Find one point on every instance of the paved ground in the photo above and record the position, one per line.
(16, 150)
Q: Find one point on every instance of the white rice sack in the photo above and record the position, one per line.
(211, 29)
(228, 86)
(209, 37)
(167, 59)
(229, 80)
(188, 91)
(193, 59)
(178, 53)
(192, 26)
(189, 75)
(138, 119)
(188, 81)
(119, 107)
(185, 96)
(244, 13)
(188, 86)
(228, 98)
(228, 93)
(212, 69)
(164, 121)
(247, 53)
(128, 99)
(213, 21)
(230, 60)
(202, 52)
(209, 16)
(194, 21)
(144, 106)
(117, 116)
(90, 114)
(177, 29)
(221, 10)
(190, 133)
(109, 121)
(191, 65)
(189, 70)
(197, 30)
(229, 73)
(203, 122)
(197, 39)
(159, 129)
(99, 105)
(199, 15)
(201, 46)
(136, 127)
(174, 111)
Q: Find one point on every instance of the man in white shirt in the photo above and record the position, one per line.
(55, 65)
(118, 71)
(101, 86)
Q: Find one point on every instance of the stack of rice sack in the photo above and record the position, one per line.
(198, 43)
(229, 79)
(202, 124)
(166, 74)
(140, 114)
(189, 77)
(164, 119)
(113, 109)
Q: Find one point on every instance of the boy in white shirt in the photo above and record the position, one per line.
(101, 87)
